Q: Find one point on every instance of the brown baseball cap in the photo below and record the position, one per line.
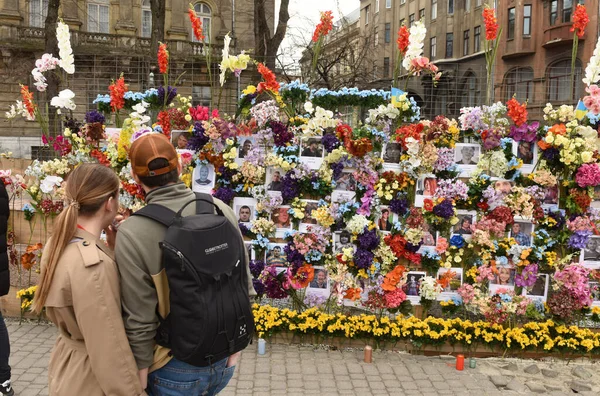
(149, 147)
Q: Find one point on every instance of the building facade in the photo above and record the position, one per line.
(112, 37)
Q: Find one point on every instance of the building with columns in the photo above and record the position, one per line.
(110, 37)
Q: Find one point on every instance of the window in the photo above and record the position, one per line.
(388, 33)
(470, 88)
(146, 19)
(559, 81)
(388, 3)
(510, 34)
(467, 5)
(477, 39)
(553, 11)
(432, 48)
(411, 20)
(367, 14)
(98, 16)
(450, 6)
(204, 13)
(422, 15)
(566, 11)
(527, 20)
(386, 67)
(38, 10)
(465, 43)
(519, 82)
(201, 95)
(376, 6)
(449, 44)
(433, 9)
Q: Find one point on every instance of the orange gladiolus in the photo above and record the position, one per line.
(580, 20)
(27, 97)
(403, 35)
(196, 24)
(163, 58)
(558, 129)
(491, 24)
(353, 293)
(324, 26)
(392, 278)
(270, 81)
(117, 94)
(517, 112)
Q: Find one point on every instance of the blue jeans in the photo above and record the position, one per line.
(4, 352)
(177, 378)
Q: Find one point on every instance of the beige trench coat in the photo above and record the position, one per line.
(91, 355)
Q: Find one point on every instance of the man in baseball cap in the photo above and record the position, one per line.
(144, 286)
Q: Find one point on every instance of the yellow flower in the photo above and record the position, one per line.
(250, 89)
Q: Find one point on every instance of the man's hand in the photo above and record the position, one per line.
(143, 373)
(233, 359)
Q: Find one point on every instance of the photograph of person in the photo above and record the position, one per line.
(310, 206)
(466, 154)
(246, 145)
(464, 226)
(244, 209)
(392, 153)
(274, 183)
(281, 217)
(345, 182)
(591, 253)
(342, 240)
(203, 178)
(275, 254)
(595, 293)
(427, 186)
(411, 287)
(385, 221)
(551, 195)
(180, 140)
(312, 148)
(525, 152)
(505, 276)
(320, 280)
(503, 186)
(521, 232)
(597, 193)
(428, 237)
(539, 288)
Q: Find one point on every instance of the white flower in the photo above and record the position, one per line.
(308, 107)
(357, 224)
(429, 289)
(67, 61)
(415, 43)
(18, 109)
(40, 80)
(592, 71)
(64, 100)
(47, 185)
(224, 66)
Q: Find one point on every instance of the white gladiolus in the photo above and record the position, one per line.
(415, 44)
(67, 61)
(592, 71)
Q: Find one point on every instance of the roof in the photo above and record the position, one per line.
(349, 18)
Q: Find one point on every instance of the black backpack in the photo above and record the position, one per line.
(204, 259)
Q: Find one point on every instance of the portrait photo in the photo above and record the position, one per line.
(247, 143)
(281, 217)
(203, 178)
(311, 152)
(345, 181)
(454, 283)
(504, 277)
(503, 186)
(180, 139)
(550, 196)
(466, 220)
(342, 240)
(385, 222)
(467, 154)
(426, 188)
(274, 180)
(310, 206)
(595, 293)
(275, 254)
(244, 209)
(525, 152)
(391, 153)
(321, 279)
(590, 256)
(522, 233)
(539, 290)
(429, 235)
(411, 287)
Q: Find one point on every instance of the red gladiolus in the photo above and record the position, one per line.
(27, 97)
(580, 20)
(491, 24)
(517, 112)
(163, 58)
(164, 120)
(196, 24)
(403, 35)
(117, 94)
(270, 82)
(324, 26)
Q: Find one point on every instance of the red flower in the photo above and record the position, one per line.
(324, 26)
(270, 82)
(117, 94)
(403, 34)
(491, 24)
(196, 24)
(581, 199)
(359, 147)
(517, 112)
(407, 131)
(100, 156)
(163, 58)
(304, 276)
(164, 120)
(502, 214)
(580, 20)
(483, 206)
(27, 97)
(428, 205)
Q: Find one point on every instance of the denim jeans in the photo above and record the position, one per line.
(4, 352)
(177, 378)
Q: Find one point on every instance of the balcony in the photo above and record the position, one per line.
(518, 47)
(559, 35)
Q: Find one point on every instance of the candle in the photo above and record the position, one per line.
(460, 362)
(261, 346)
(368, 354)
(472, 363)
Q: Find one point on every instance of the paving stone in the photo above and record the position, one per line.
(579, 386)
(581, 372)
(532, 369)
(517, 386)
(553, 388)
(510, 367)
(549, 373)
(536, 387)
(500, 380)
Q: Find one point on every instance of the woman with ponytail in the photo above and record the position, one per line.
(79, 287)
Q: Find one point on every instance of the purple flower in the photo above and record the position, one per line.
(198, 138)
(559, 218)
(524, 133)
(256, 267)
(399, 206)
(226, 129)
(492, 139)
(94, 116)
(294, 257)
(550, 154)
(330, 142)
(337, 169)
(290, 188)
(363, 258)
(368, 239)
(243, 229)
(445, 159)
(281, 135)
(579, 239)
(413, 248)
(444, 209)
(528, 276)
(259, 287)
(224, 194)
(172, 92)
(72, 124)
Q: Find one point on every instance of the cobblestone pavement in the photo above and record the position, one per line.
(307, 370)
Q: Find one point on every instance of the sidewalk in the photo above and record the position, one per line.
(308, 370)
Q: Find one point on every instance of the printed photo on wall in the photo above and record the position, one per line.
(344, 188)
(247, 143)
(539, 290)
(203, 178)
(411, 287)
(451, 279)
(308, 220)
(466, 156)
(391, 155)
(275, 254)
(429, 239)
(426, 188)
(250, 248)
(505, 279)
(282, 219)
(385, 222)
(590, 255)
(464, 227)
(522, 232)
(342, 240)
(244, 209)
(320, 283)
(550, 201)
(503, 186)
(274, 178)
(180, 139)
(526, 152)
(595, 293)
(311, 152)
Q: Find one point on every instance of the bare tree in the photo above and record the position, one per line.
(158, 9)
(267, 46)
(51, 47)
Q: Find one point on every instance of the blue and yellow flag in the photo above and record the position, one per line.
(396, 94)
(580, 110)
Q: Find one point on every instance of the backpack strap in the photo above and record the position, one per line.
(156, 212)
(204, 204)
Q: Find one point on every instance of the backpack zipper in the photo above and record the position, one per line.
(184, 261)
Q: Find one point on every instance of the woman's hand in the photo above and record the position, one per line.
(111, 231)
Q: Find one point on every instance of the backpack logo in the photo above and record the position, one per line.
(243, 331)
(216, 249)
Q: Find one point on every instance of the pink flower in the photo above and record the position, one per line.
(467, 293)
(593, 90)
(441, 245)
(588, 175)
